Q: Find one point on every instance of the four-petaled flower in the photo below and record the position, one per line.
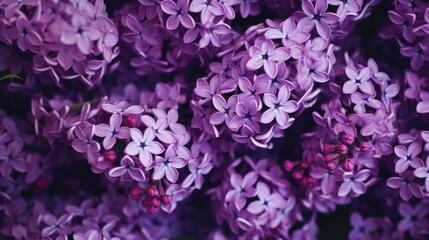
(268, 202)
(266, 54)
(198, 168)
(354, 182)
(242, 189)
(112, 131)
(144, 146)
(128, 171)
(358, 80)
(279, 107)
(408, 157)
(168, 165)
(179, 14)
(317, 16)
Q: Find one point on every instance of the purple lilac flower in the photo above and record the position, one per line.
(112, 131)
(316, 15)
(168, 165)
(279, 107)
(144, 146)
(354, 182)
(128, 171)
(178, 14)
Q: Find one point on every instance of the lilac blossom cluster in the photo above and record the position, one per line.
(214, 119)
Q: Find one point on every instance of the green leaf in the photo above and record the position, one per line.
(79, 106)
(10, 76)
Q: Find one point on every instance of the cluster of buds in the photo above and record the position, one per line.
(154, 197)
(300, 172)
(335, 154)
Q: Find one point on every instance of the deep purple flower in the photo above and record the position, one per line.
(247, 114)
(407, 186)
(26, 34)
(346, 124)
(81, 33)
(414, 219)
(144, 146)
(361, 228)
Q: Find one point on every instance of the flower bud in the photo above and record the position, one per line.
(331, 165)
(330, 157)
(298, 174)
(364, 146)
(152, 210)
(304, 164)
(288, 165)
(343, 149)
(151, 192)
(165, 199)
(110, 155)
(329, 148)
(348, 164)
(136, 193)
(131, 121)
(154, 201)
(146, 202)
(347, 139)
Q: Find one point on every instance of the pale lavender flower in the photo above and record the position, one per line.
(160, 128)
(346, 8)
(247, 114)
(81, 33)
(226, 109)
(208, 8)
(346, 124)
(408, 157)
(177, 194)
(268, 202)
(242, 189)
(168, 165)
(25, 34)
(144, 146)
(128, 171)
(289, 33)
(328, 177)
(198, 168)
(179, 14)
(85, 144)
(354, 182)
(407, 186)
(317, 16)
(112, 131)
(124, 108)
(358, 80)
(267, 55)
(279, 107)
(423, 172)
(214, 33)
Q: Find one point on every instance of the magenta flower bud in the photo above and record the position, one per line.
(154, 201)
(152, 210)
(298, 174)
(331, 165)
(146, 202)
(304, 164)
(136, 193)
(110, 155)
(364, 146)
(330, 157)
(342, 149)
(329, 148)
(348, 164)
(131, 121)
(288, 165)
(165, 199)
(347, 139)
(151, 192)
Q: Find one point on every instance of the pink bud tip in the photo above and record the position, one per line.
(110, 155)
(343, 149)
(331, 165)
(151, 191)
(364, 146)
(152, 210)
(329, 148)
(347, 139)
(136, 193)
(165, 199)
(330, 157)
(348, 164)
(298, 174)
(288, 165)
(131, 121)
(304, 164)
